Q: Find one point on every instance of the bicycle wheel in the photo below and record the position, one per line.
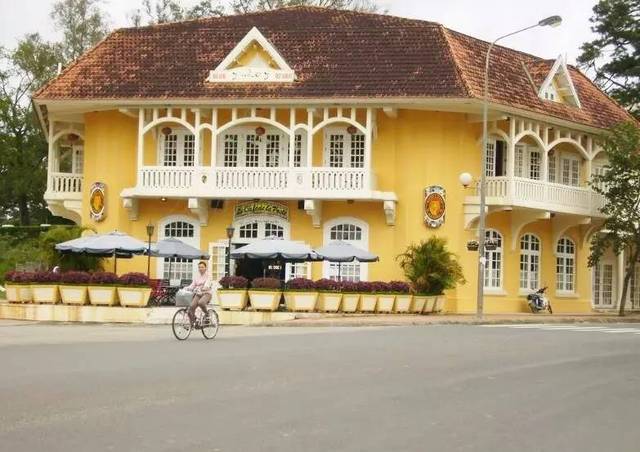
(181, 325)
(211, 326)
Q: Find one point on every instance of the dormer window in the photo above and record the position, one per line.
(558, 86)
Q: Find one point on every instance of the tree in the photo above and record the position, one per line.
(23, 149)
(82, 23)
(162, 11)
(247, 6)
(614, 56)
(620, 185)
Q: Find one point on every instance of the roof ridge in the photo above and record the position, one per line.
(465, 83)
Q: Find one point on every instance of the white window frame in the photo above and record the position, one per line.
(492, 154)
(530, 257)
(523, 165)
(193, 241)
(598, 280)
(347, 150)
(491, 257)
(329, 270)
(562, 264)
(243, 132)
(181, 134)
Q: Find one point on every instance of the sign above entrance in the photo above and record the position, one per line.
(249, 208)
(434, 206)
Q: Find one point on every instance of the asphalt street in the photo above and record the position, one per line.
(436, 388)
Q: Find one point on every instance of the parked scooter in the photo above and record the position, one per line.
(538, 301)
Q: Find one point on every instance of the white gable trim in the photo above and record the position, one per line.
(249, 74)
(572, 94)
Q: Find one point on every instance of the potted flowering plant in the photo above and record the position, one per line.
(44, 287)
(134, 289)
(300, 295)
(102, 288)
(402, 291)
(368, 297)
(11, 285)
(73, 287)
(329, 295)
(265, 294)
(232, 293)
(386, 297)
(350, 295)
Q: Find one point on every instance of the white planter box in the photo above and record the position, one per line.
(385, 303)
(12, 293)
(264, 300)
(429, 305)
(45, 293)
(134, 296)
(73, 294)
(300, 301)
(102, 296)
(350, 302)
(329, 302)
(417, 305)
(439, 304)
(403, 304)
(368, 302)
(232, 299)
(25, 295)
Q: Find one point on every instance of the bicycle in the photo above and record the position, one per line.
(208, 325)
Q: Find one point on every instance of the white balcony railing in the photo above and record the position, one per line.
(531, 193)
(66, 183)
(243, 182)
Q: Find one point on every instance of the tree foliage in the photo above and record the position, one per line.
(162, 11)
(82, 23)
(614, 56)
(247, 6)
(620, 185)
(431, 267)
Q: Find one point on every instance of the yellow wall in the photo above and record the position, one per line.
(413, 151)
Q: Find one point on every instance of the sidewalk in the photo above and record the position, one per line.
(326, 320)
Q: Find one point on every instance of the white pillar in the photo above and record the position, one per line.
(511, 158)
(51, 156)
(292, 136)
(367, 146)
(310, 137)
(140, 144)
(214, 135)
(197, 155)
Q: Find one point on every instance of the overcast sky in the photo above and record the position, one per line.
(483, 19)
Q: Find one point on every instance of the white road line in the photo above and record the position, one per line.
(568, 327)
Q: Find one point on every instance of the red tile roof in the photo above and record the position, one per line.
(335, 54)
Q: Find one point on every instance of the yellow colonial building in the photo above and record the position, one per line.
(317, 125)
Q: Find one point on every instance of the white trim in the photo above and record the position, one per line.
(362, 243)
(181, 134)
(500, 286)
(530, 253)
(252, 74)
(565, 256)
(193, 241)
(347, 150)
(560, 65)
(261, 220)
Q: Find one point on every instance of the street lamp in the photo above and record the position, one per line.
(150, 229)
(552, 21)
(230, 232)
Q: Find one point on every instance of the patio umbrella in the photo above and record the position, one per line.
(116, 244)
(174, 248)
(276, 248)
(340, 252)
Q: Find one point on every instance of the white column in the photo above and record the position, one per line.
(620, 278)
(310, 137)
(292, 136)
(51, 156)
(511, 158)
(197, 155)
(140, 144)
(214, 135)
(367, 146)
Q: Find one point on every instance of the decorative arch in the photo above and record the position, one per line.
(168, 119)
(247, 120)
(66, 131)
(262, 221)
(536, 138)
(338, 120)
(351, 270)
(571, 141)
(193, 222)
(178, 266)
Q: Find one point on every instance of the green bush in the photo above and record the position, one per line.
(431, 267)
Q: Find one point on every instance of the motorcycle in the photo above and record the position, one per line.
(539, 302)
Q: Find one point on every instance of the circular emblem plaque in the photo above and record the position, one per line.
(97, 201)
(434, 206)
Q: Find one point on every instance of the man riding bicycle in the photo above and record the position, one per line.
(201, 287)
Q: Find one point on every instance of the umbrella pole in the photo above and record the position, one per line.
(340, 271)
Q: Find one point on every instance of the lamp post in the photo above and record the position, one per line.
(552, 21)
(150, 229)
(230, 232)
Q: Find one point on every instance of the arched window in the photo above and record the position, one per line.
(355, 232)
(186, 230)
(260, 229)
(565, 265)
(529, 262)
(493, 263)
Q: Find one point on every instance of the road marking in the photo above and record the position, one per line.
(568, 327)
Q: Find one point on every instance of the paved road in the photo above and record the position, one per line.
(436, 388)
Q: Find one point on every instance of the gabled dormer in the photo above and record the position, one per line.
(253, 60)
(558, 86)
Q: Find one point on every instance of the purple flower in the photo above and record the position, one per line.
(327, 285)
(266, 283)
(301, 284)
(234, 282)
(104, 278)
(74, 277)
(134, 279)
(46, 277)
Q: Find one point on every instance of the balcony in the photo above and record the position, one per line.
(255, 182)
(535, 194)
(64, 195)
